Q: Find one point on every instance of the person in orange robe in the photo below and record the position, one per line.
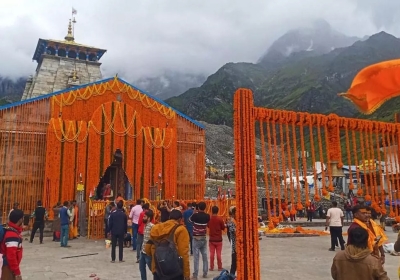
(76, 220)
(73, 229)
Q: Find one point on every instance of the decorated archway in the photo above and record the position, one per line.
(116, 177)
(79, 147)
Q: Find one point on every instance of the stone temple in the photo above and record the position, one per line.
(63, 64)
(74, 132)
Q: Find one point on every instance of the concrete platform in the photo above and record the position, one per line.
(281, 258)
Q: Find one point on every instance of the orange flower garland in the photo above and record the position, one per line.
(247, 246)
(139, 123)
(392, 139)
(282, 117)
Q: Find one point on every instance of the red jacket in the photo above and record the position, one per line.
(216, 226)
(141, 224)
(11, 248)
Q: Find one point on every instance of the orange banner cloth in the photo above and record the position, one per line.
(374, 85)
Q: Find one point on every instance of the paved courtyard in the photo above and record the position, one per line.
(281, 258)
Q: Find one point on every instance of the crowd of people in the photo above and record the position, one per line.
(363, 256)
(65, 227)
(165, 247)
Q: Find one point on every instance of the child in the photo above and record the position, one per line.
(128, 240)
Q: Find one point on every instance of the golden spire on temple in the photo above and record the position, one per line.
(69, 37)
(74, 75)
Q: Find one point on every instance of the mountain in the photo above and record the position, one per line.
(11, 90)
(165, 86)
(170, 84)
(212, 102)
(299, 82)
(320, 38)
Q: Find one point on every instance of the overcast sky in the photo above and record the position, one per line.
(147, 37)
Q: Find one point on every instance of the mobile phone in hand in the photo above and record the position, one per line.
(377, 239)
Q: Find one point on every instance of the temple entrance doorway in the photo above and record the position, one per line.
(115, 176)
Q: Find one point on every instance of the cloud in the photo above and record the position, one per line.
(148, 37)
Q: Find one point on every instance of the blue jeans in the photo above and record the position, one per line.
(139, 243)
(135, 228)
(144, 260)
(349, 216)
(64, 235)
(200, 246)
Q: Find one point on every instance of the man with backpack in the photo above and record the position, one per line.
(11, 246)
(169, 247)
(40, 214)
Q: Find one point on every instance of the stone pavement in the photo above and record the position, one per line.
(297, 258)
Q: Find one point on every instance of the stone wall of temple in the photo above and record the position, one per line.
(55, 73)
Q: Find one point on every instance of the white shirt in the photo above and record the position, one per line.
(135, 213)
(335, 214)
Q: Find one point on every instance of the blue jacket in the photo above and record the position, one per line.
(64, 216)
(186, 215)
(118, 223)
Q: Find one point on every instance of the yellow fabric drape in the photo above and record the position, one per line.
(372, 235)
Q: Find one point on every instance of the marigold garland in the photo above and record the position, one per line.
(392, 140)
(247, 246)
(113, 122)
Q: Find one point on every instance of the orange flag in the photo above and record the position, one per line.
(374, 85)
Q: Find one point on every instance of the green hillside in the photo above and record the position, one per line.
(301, 82)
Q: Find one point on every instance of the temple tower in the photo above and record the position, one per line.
(63, 64)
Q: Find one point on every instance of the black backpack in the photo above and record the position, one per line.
(168, 263)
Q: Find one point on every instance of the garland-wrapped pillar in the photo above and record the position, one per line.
(247, 244)
(332, 136)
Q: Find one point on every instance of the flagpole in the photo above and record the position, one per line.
(73, 22)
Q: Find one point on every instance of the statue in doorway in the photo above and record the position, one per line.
(117, 157)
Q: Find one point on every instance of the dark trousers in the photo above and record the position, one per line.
(191, 242)
(233, 265)
(36, 226)
(336, 234)
(139, 244)
(105, 228)
(135, 228)
(309, 216)
(120, 239)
